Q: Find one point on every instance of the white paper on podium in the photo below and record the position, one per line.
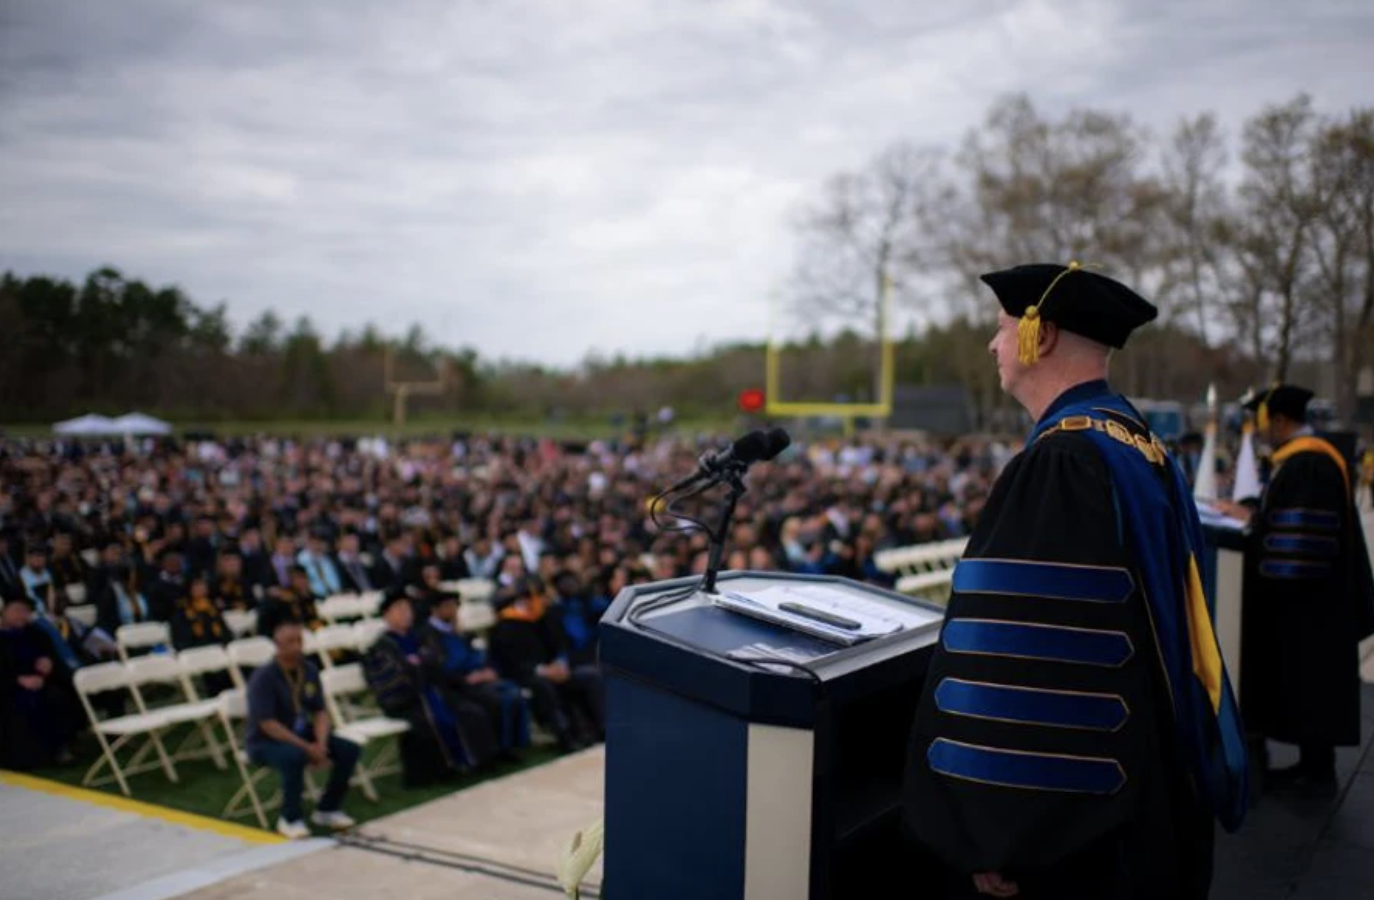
(1210, 515)
(803, 607)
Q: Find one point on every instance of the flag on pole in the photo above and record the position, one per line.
(1247, 486)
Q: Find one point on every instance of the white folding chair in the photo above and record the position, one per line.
(342, 683)
(181, 709)
(232, 708)
(197, 662)
(329, 640)
(470, 589)
(339, 608)
(84, 614)
(117, 732)
(369, 602)
(476, 617)
(241, 622)
(366, 632)
(249, 653)
(142, 636)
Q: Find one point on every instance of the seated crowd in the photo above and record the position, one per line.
(183, 532)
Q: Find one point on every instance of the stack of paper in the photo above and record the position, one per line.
(826, 612)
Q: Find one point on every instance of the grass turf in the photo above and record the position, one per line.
(205, 790)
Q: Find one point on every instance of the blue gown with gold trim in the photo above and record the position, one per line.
(1076, 731)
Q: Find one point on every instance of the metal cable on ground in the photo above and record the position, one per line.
(452, 859)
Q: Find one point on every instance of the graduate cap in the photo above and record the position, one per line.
(1072, 297)
(1288, 400)
(392, 596)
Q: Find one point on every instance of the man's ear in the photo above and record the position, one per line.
(1049, 337)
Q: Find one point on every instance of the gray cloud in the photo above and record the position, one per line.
(536, 179)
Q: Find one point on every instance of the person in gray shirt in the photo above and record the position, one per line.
(288, 729)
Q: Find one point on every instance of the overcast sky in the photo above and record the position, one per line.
(538, 179)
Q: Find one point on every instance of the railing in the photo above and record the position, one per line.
(924, 570)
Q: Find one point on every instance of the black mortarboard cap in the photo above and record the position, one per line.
(1288, 400)
(1074, 298)
(391, 597)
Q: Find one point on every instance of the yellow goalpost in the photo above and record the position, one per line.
(846, 411)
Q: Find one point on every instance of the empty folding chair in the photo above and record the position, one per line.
(181, 708)
(477, 617)
(117, 732)
(476, 589)
(339, 608)
(342, 683)
(199, 662)
(84, 615)
(366, 632)
(241, 622)
(142, 636)
(369, 602)
(247, 654)
(330, 642)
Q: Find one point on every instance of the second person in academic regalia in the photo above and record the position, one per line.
(1308, 600)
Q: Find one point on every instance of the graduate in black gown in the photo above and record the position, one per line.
(1076, 735)
(39, 710)
(449, 734)
(1309, 596)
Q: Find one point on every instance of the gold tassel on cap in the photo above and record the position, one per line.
(1028, 329)
(1262, 411)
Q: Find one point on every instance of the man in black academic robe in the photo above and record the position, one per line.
(448, 734)
(39, 709)
(1047, 758)
(1309, 596)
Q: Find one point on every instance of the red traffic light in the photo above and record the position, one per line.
(751, 400)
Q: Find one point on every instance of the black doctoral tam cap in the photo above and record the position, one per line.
(1072, 297)
(1288, 400)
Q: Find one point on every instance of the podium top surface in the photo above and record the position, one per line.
(726, 648)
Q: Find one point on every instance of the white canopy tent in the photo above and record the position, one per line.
(139, 424)
(133, 424)
(87, 425)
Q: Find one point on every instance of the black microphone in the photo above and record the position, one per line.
(753, 447)
(778, 441)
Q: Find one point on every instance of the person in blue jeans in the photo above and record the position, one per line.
(288, 729)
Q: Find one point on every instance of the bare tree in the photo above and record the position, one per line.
(1275, 232)
(866, 230)
(1342, 166)
(1194, 218)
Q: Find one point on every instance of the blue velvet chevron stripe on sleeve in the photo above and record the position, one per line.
(1031, 771)
(1032, 706)
(1320, 520)
(1043, 579)
(1052, 643)
(1302, 544)
(1293, 568)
